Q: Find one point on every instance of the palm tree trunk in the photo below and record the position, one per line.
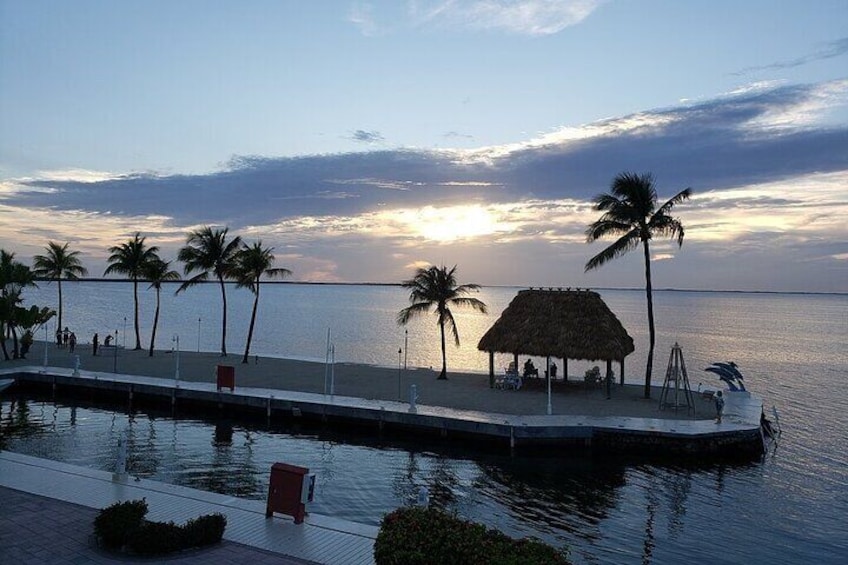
(155, 323)
(252, 322)
(223, 318)
(651, 333)
(59, 280)
(3, 341)
(443, 376)
(135, 301)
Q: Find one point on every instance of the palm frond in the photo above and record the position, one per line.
(622, 245)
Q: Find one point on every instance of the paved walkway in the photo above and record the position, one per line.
(39, 530)
(464, 391)
(54, 522)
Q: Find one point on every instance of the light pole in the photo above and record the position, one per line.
(405, 347)
(198, 334)
(115, 361)
(45, 347)
(399, 352)
(125, 334)
(177, 359)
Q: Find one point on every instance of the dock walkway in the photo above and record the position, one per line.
(25, 536)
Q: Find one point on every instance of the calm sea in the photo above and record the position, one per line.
(791, 507)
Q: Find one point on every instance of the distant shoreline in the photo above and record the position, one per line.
(320, 283)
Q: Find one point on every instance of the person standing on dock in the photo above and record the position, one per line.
(72, 342)
(95, 341)
(719, 404)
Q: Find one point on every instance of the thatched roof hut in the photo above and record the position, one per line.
(567, 324)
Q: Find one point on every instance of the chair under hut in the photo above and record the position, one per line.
(560, 324)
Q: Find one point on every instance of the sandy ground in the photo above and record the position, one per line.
(461, 390)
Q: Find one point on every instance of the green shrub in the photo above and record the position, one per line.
(115, 523)
(156, 538)
(413, 536)
(122, 527)
(204, 530)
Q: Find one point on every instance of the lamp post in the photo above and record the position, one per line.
(46, 340)
(176, 340)
(125, 334)
(399, 352)
(198, 334)
(115, 356)
(405, 347)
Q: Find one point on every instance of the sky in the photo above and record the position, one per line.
(362, 140)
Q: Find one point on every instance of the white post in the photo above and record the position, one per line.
(45, 348)
(76, 365)
(399, 393)
(327, 363)
(177, 358)
(332, 369)
(548, 361)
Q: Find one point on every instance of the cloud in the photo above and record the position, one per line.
(367, 136)
(829, 51)
(523, 17)
(362, 16)
(760, 180)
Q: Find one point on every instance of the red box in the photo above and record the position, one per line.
(285, 490)
(226, 377)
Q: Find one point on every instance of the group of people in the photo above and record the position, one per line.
(66, 339)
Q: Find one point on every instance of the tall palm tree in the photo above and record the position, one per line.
(208, 251)
(130, 259)
(436, 287)
(631, 213)
(57, 263)
(156, 271)
(251, 262)
(14, 278)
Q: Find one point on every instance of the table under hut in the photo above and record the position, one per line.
(558, 324)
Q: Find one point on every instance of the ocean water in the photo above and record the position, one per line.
(790, 507)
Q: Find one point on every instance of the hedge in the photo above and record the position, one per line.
(419, 536)
(122, 527)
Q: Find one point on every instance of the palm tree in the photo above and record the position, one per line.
(14, 278)
(436, 287)
(251, 262)
(157, 271)
(206, 251)
(56, 264)
(131, 259)
(631, 213)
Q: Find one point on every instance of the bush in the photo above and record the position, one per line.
(122, 527)
(156, 538)
(204, 530)
(412, 536)
(115, 523)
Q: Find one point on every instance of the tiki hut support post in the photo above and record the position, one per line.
(491, 369)
(565, 368)
(515, 361)
(548, 376)
(608, 380)
(621, 378)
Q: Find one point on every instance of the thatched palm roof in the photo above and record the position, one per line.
(569, 324)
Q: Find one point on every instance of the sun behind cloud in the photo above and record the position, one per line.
(452, 223)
